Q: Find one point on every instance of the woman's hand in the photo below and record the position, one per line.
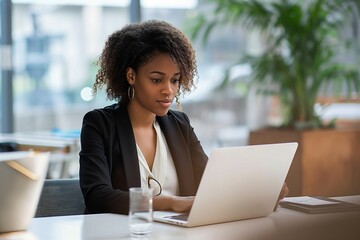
(182, 204)
(283, 193)
(173, 203)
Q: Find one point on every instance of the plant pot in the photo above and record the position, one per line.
(327, 162)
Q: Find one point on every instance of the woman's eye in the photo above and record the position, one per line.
(156, 80)
(175, 80)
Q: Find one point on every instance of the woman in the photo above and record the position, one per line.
(139, 141)
(144, 67)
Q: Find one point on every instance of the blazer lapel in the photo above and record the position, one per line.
(180, 154)
(127, 146)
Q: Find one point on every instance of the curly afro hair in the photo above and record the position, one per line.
(135, 45)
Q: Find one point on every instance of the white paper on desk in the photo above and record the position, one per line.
(310, 201)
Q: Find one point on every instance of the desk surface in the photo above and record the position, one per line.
(281, 224)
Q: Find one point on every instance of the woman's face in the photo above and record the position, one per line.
(156, 84)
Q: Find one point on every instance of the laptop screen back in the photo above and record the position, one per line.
(241, 182)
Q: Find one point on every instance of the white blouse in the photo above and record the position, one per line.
(163, 169)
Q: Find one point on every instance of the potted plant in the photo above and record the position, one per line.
(304, 40)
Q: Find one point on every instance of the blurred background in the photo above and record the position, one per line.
(48, 62)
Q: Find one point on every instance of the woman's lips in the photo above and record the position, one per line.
(165, 103)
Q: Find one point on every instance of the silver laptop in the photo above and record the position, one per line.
(22, 176)
(238, 183)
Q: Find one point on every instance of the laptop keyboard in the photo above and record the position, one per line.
(182, 217)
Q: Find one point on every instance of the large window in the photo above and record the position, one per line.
(56, 45)
(55, 50)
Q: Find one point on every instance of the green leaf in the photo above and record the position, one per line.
(303, 40)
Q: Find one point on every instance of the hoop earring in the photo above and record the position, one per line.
(131, 92)
(178, 104)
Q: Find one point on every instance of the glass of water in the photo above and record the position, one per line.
(140, 212)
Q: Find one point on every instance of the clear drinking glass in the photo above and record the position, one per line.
(140, 212)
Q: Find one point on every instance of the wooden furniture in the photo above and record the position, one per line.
(280, 225)
(327, 162)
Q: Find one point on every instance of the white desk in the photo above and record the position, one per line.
(282, 224)
(64, 150)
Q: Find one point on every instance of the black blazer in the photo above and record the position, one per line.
(109, 163)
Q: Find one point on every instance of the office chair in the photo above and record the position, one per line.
(60, 197)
